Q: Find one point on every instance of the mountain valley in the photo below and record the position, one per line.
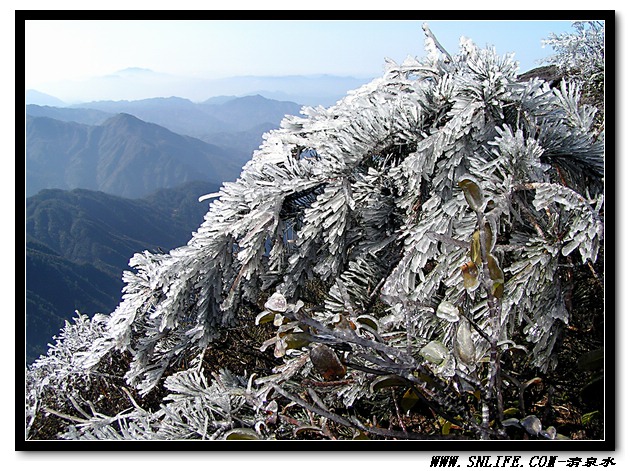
(79, 242)
(105, 180)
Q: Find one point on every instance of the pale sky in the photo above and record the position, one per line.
(81, 49)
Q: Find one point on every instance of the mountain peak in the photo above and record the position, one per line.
(122, 118)
(253, 99)
(35, 97)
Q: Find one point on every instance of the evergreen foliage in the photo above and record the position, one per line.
(580, 56)
(405, 247)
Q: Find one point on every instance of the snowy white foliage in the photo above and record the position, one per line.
(365, 196)
(581, 54)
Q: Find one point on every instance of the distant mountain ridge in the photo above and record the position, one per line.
(202, 120)
(236, 124)
(124, 156)
(43, 99)
(79, 242)
(179, 115)
(134, 83)
(87, 226)
(77, 115)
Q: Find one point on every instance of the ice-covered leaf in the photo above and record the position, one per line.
(447, 311)
(435, 352)
(532, 424)
(470, 273)
(464, 345)
(511, 422)
(276, 303)
(369, 321)
(549, 433)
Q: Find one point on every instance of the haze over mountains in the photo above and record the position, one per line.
(136, 83)
(104, 180)
(124, 156)
(116, 147)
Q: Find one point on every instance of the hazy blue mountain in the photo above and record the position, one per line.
(79, 242)
(218, 100)
(77, 115)
(243, 142)
(38, 98)
(177, 114)
(233, 123)
(249, 118)
(132, 84)
(222, 115)
(124, 156)
(311, 90)
(94, 227)
(134, 72)
(248, 112)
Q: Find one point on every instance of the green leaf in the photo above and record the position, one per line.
(497, 289)
(446, 427)
(241, 434)
(264, 317)
(369, 321)
(388, 381)
(589, 417)
(475, 243)
(472, 193)
(297, 340)
(475, 248)
(409, 399)
(496, 274)
(510, 411)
